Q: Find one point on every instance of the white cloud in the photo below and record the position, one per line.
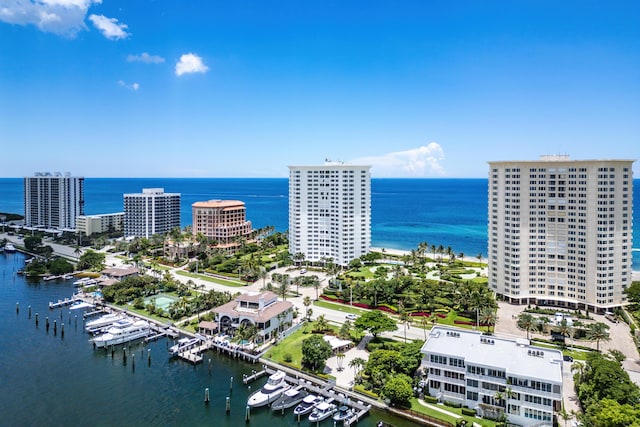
(146, 58)
(190, 63)
(63, 17)
(414, 163)
(132, 86)
(109, 27)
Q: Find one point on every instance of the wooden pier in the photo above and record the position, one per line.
(246, 379)
(64, 302)
(194, 354)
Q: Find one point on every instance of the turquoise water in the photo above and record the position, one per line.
(404, 212)
(55, 380)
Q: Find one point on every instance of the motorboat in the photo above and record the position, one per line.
(308, 404)
(102, 321)
(182, 345)
(289, 399)
(275, 386)
(343, 413)
(321, 412)
(119, 335)
(9, 248)
(80, 304)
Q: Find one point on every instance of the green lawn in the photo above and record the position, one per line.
(230, 283)
(291, 345)
(418, 407)
(339, 307)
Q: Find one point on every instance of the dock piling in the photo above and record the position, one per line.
(247, 414)
(47, 323)
(228, 405)
(17, 308)
(55, 327)
(36, 320)
(206, 395)
(29, 312)
(62, 330)
(148, 357)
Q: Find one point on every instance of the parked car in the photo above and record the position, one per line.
(567, 358)
(351, 316)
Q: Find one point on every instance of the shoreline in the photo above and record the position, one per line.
(635, 274)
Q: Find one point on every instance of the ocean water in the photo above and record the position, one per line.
(404, 212)
(54, 380)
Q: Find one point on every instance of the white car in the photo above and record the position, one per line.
(351, 316)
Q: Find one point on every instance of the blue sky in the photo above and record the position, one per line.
(245, 88)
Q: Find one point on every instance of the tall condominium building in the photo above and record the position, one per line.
(478, 371)
(89, 224)
(330, 212)
(53, 200)
(151, 212)
(222, 221)
(560, 231)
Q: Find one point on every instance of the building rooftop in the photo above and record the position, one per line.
(218, 204)
(516, 356)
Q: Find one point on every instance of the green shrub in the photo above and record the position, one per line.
(287, 357)
(468, 411)
(430, 399)
(452, 404)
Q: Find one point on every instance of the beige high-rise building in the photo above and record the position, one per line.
(222, 221)
(560, 231)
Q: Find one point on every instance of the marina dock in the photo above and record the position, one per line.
(64, 302)
(359, 408)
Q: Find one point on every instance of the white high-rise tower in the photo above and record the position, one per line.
(53, 200)
(151, 212)
(330, 212)
(560, 231)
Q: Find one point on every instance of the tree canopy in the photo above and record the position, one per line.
(91, 260)
(315, 352)
(375, 322)
(609, 397)
(398, 390)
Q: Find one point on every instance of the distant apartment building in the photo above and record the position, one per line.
(330, 212)
(222, 221)
(495, 376)
(151, 212)
(560, 231)
(89, 224)
(53, 200)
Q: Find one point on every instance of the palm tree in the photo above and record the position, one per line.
(526, 322)
(598, 332)
(578, 369)
(424, 322)
(321, 323)
(488, 317)
(315, 282)
(340, 359)
(284, 287)
(357, 364)
(564, 328)
(307, 302)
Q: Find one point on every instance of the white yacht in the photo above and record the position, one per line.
(275, 386)
(182, 345)
(117, 335)
(321, 412)
(289, 398)
(307, 405)
(9, 248)
(102, 321)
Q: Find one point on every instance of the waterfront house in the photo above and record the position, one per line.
(260, 309)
